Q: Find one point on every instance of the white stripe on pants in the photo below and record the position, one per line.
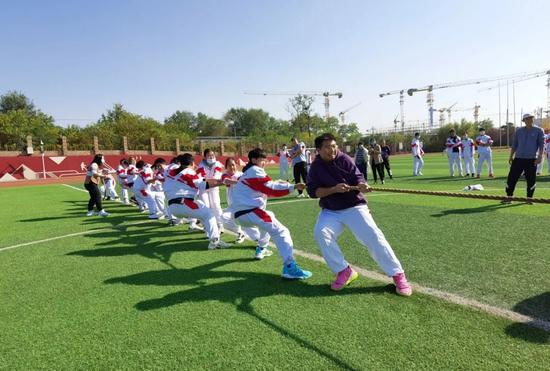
(418, 164)
(454, 158)
(330, 225)
(204, 214)
(482, 158)
(211, 199)
(469, 164)
(270, 228)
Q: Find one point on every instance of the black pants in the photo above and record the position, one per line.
(363, 169)
(518, 167)
(387, 166)
(95, 196)
(377, 168)
(300, 170)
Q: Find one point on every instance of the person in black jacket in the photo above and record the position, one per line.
(386, 152)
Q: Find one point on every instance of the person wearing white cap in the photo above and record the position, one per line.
(484, 143)
(525, 155)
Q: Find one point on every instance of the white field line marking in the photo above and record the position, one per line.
(93, 231)
(76, 188)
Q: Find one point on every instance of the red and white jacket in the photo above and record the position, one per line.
(142, 184)
(185, 184)
(121, 175)
(159, 178)
(468, 148)
(253, 189)
(484, 143)
(210, 172)
(416, 147)
(230, 187)
(547, 144)
(131, 173)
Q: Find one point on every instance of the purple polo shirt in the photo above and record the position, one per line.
(324, 174)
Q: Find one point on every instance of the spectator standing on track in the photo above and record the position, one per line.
(362, 159)
(417, 153)
(453, 145)
(376, 161)
(283, 163)
(299, 163)
(386, 152)
(93, 177)
(525, 155)
(468, 152)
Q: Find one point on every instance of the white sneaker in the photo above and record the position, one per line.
(126, 202)
(216, 243)
(240, 238)
(195, 227)
(90, 213)
(103, 213)
(262, 252)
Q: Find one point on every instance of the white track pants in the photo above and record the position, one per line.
(110, 190)
(124, 192)
(418, 164)
(358, 219)
(454, 158)
(488, 157)
(146, 197)
(197, 210)
(251, 232)
(541, 165)
(159, 201)
(211, 199)
(469, 164)
(269, 226)
(283, 171)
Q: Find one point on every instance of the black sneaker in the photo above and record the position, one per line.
(506, 201)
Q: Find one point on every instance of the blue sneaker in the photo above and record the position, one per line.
(262, 252)
(293, 272)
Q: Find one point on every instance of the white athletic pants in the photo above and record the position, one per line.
(469, 164)
(482, 158)
(269, 226)
(541, 165)
(159, 201)
(146, 196)
(197, 210)
(418, 164)
(211, 199)
(229, 222)
(330, 225)
(454, 158)
(283, 170)
(124, 192)
(110, 190)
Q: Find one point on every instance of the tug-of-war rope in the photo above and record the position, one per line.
(463, 195)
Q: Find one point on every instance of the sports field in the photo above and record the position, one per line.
(124, 292)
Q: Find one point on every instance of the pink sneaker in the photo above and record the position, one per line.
(344, 278)
(402, 287)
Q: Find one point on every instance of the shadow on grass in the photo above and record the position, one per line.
(240, 288)
(537, 307)
(149, 242)
(474, 210)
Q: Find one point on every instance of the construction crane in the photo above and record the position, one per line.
(475, 108)
(395, 121)
(430, 88)
(342, 114)
(401, 105)
(325, 94)
(442, 114)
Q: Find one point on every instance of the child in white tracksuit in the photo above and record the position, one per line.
(110, 184)
(231, 177)
(249, 210)
(283, 163)
(123, 180)
(142, 188)
(454, 145)
(484, 143)
(181, 186)
(417, 153)
(336, 180)
(210, 168)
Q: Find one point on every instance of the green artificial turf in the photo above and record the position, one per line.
(149, 296)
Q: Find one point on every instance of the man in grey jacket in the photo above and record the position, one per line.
(525, 155)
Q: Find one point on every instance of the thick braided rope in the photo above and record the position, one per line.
(457, 194)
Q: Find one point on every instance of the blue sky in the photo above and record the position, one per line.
(76, 58)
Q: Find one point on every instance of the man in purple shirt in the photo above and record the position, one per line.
(338, 183)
